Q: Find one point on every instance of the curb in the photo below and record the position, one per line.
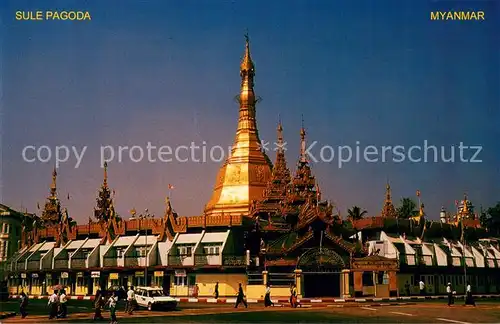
(6, 315)
(285, 300)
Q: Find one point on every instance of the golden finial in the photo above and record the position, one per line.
(247, 64)
(133, 212)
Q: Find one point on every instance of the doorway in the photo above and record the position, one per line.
(321, 284)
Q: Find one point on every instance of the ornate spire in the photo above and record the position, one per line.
(421, 212)
(280, 142)
(280, 172)
(244, 175)
(53, 186)
(303, 157)
(246, 63)
(388, 210)
(102, 211)
(105, 182)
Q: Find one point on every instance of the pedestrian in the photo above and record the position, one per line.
(112, 307)
(240, 298)
(62, 304)
(130, 301)
(98, 301)
(450, 294)
(267, 298)
(421, 285)
(53, 305)
(293, 297)
(23, 305)
(407, 288)
(216, 290)
(469, 299)
(195, 291)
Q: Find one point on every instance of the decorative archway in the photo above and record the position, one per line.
(320, 271)
(320, 260)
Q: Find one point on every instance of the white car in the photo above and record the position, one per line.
(153, 298)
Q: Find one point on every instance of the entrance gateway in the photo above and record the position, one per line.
(321, 270)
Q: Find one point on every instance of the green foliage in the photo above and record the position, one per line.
(355, 213)
(407, 208)
(490, 220)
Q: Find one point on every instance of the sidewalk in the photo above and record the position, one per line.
(286, 299)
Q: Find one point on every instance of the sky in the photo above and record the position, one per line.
(375, 72)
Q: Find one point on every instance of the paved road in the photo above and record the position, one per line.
(415, 313)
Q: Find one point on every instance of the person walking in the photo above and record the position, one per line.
(421, 285)
(449, 292)
(216, 290)
(293, 297)
(98, 301)
(130, 301)
(62, 304)
(53, 304)
(469, 299)
(240, 298)
(196, 290)
(267, 298)
(23, 305)
(112, 307)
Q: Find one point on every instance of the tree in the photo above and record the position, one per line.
(491, 219)
(355, 213)
(407, 208)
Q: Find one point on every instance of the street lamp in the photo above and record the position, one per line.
(144, 216)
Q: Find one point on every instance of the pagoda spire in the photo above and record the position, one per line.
(388, 210)
(102, 211)
(303, 157)
(105, 182)
(244, 175)
(53, 186)
(51, 213)
(280, 169)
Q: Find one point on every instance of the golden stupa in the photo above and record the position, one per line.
(244, 175)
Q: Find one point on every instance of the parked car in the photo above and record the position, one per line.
(154, 298)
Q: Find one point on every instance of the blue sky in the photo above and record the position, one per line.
(381, 73)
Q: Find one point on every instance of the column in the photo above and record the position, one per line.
(344, 284)
(265, 277)
(358, 283)
(298, 282)
(393, 283)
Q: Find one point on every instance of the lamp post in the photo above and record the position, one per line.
(144, 216)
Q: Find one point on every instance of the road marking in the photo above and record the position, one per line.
(398, 313)
(451, 321)
(368, 308)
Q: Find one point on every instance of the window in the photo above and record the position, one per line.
(141, 251)
(185, 250)
(211, 250)
(180, 281)
(156, 293)
(80, 282)
(119, 253)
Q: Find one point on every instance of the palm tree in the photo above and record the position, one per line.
(407, 208)
(355, 213)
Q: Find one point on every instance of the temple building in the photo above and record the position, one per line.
(264, 224)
